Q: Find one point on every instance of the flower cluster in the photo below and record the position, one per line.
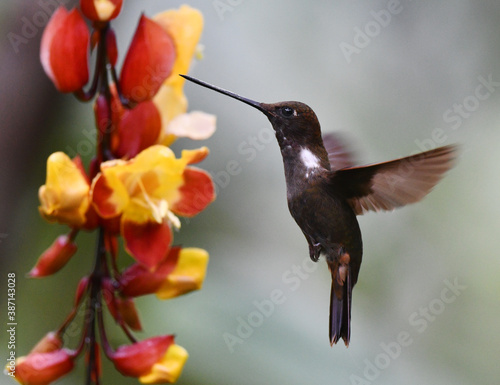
(135, 187)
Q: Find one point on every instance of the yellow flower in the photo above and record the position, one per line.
(147, 191)
(145, 188)
(184, 26)
(64, 197)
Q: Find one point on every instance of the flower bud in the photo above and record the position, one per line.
(54, 258)
(148, 63)
(64, 50)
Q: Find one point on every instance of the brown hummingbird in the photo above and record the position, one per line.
(325, 192)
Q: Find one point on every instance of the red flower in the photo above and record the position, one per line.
(134, 188)
(182, 271)
(46, 363)
(138, 129)
(64, 50)
(154, 360)
(148, 62)
(43, 368)
(146, 192)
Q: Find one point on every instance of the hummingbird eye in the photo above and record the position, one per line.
(287, 111)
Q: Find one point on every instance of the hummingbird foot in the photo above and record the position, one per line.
(314, 251)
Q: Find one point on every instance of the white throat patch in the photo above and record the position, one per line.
(308, 158)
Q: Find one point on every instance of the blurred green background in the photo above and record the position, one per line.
(397, 81)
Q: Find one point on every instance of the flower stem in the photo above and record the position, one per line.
(94, 308)
(100, 66)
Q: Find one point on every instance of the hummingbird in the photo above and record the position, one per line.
(326, 191)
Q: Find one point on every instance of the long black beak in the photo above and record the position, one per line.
(250, 102)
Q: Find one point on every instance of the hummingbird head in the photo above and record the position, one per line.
(293, 122)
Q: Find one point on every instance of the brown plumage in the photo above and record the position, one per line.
(325, 192)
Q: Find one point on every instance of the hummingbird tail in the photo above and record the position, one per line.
(340, 310)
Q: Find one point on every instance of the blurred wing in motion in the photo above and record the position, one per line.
(388, 185)
(339, 151)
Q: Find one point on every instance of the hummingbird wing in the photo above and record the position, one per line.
(339, 153)
(388, 185)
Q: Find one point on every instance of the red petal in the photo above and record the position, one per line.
(148, 63)
(112, 225)
(81, 289)
(196, 193)
(137, 359)
(138, 129)
(102, 114)
(64, 50)
(108, 293)
(94, 167)
(78, 163)
(129, 313)
(108, 115)
(51, 342)
(43, 368)
(147, 242)
(111, 244)
(91, 219)
(96, 370)
(54, 258)
(137, 280)
(101, 197)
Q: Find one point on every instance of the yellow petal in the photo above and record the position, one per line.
(188, 274)
(159, 162)
(170, 102)
(111, 172)
(194, 156)
(144, 188)
(169, 368)
(64, 197)
(184, 26)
